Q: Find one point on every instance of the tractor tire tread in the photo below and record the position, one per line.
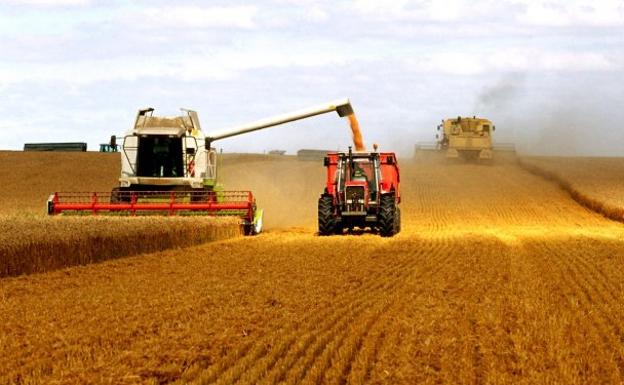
(386, 219)
(326, 217)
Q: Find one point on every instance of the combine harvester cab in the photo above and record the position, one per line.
(362, 191)
(168, 166)
(470, 137)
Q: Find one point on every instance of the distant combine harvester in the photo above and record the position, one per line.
(64, 147)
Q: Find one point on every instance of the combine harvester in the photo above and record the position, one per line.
(468, 137)
(168, 166)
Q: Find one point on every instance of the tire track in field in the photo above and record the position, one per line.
(571, 276)
(233, 366)
(339, 329)
(316, 350)
(320, 359)
(493, 349)
(382, 331)
(415, 319)
(345, 366)
(601, 278)
(278, 359)
(588, 281)
(450, 335)
(258, 354)
(471, 293)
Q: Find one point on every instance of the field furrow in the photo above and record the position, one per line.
(498, 277)
(582, 320)
(327, 330)
(603, 309)
(348, 307)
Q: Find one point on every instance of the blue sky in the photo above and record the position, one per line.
(548, 73)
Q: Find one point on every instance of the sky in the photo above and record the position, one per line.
(549, 74)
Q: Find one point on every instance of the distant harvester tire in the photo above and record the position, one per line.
(117, 196)
(326, 217)
(387, 216)
(200, 195)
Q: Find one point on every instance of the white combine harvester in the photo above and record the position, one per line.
(168, 165)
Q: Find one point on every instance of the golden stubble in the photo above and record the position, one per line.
(36, 245)
(497, 277)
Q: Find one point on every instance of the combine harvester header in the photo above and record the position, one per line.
(168, 166)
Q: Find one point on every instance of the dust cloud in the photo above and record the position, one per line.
(577, 114)
(285, 187)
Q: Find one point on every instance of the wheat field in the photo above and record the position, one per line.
(594, 182)
(498, 277)
(39, 244)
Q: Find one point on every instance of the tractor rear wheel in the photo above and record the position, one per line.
(387, 216)
(326, 217)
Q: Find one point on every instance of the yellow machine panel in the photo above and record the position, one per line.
(466, 136)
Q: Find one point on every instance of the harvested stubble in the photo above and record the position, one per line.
(498, 277)
(35, 245)
(596, 183)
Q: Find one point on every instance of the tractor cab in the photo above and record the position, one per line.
(357, 179)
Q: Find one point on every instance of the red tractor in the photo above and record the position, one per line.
(362, 191)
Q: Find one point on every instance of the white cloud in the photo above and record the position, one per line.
(552, 13)
(510, 60)
(446, 62)
(393, 10)
(430, 11)
(564, 13)
(197, 17)
(536, 60)
(402, 53)
(574, 61)
(449, 10)
(50, 3)
(221, 64)
(229, 62)
(317, 14)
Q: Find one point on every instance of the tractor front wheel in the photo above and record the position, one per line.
(387, 216)
(326, 217)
